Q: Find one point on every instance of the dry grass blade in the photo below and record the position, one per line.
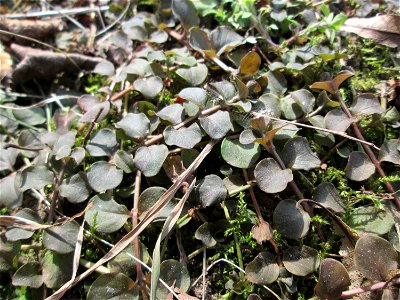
(147, 219)
(168, 225)
(383, 29)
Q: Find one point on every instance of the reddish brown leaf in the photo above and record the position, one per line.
(383, 29)
(262, 232)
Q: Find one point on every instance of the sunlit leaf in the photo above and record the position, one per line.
(217, 125)
(103, 143)
(186, 12)
(375, 257)
(277, 83)
(150, 159)
(28, 274)
(194, 75)
(61, 239)
(124, 161)
(270, 177)
(112, 287)
(333, 279)
(359, 167)
(173, 113)
(250, 63)
(366, 104)
(104, 68)
(328, 196)
(390, 151)
(225, 88)
(57, 269)
(291, 222)
(75, 188)
(298, 155)
(196, 95)
(139, 67)
(239, 155)
(150, 87)
(211, 190)
(185, 137)
(333, 85)
(104, 176)
(106, 215)
(134, 125)
(337, 120)
(301, 261)
(263, 269)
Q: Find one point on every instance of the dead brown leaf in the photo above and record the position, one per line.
(262, 232)
(43, 64)
(383, 29)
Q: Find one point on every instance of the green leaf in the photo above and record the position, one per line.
(7, 158)
(158, 37)
(134, 125)
(35, 177)
(103, 143)
(301, 261)
(277, 83)
(28, 274)
(390, 151)
(150, 87)
(224, 39)
(104, 68)
(333, 279)
(106, 215)
(149, 197)
(8, 253)
(15, 234)
(359, 167)
(200, 41)
(104, 176)
(217, 125)
(239, 155)
(289, 221)
(304, 99)
(139, 67)
(150, 159)
(366, 104)
(113, 287)
(184, 137)
(124, 161)
(371, 219)
(194, 75)
(298, 155)
(211, 190)
(268, 105)
(327, 195)
(57, 269)
(225, 89)
(185, 12)
(337, 120)
(196, 95)
(270, 177)
(173, 113)
(263, 269)
(10, 196)
(75, 188)
(173, 273)
(375, 257)
(32, 116)
(61, 239)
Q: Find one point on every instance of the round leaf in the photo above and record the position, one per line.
(106, 215)
(186, 12)
(277, 83)
(124, 161)
(61, 239)
(301, 261)
(291, 222)
(150, 159)
(211, 190)
(304, 99)
(150, 86)
(173, 273)
(103, 143)
(196, 95)
(134, 125)
(337, 120)
(371, 219)
(75, 188)
(104, 176)
(104, 68)
(297, 155)
(113, 287)
(172, 113)
(359, 167)
(250, 63)
(327, 195)
(263, 269)
(10, 196)
(35, 177)
(57, 269)
(225, 89)
(15, 234)
(375, 257)
(124, 263)
(333, 279)
(217, 125)
(28, 274)
(184, 137)
(390, 151)
(149, 197)
(239, 155)
(270, 177)
(194, 75)
(268, 105)
(224, 39)
(366, 104)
